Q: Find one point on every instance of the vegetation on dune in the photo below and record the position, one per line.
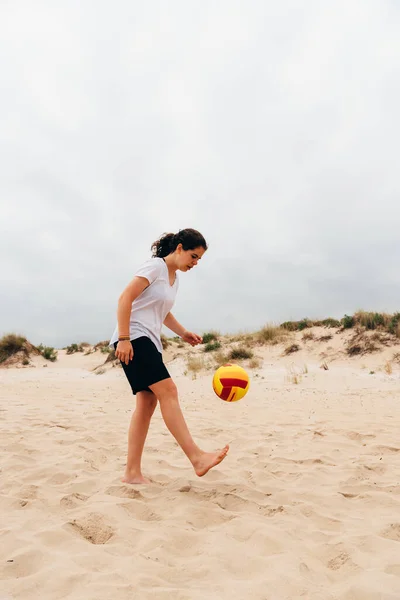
(14, 346)
(48, 352)
(255, 362)
(102, 346)
(10, 344)
(272, 334)
(297, 325)
(111, 356)
(164, 342)
(330, 323)
(75, 348)
(211, 346)
(371, 320)
(241, 352)
(371, 330)
(325, 338)
(211, 336)
(194, 364)
(365, 319)
(308, 336)
(220, 358)
(394, 325)
(292, 348)
(368, 330)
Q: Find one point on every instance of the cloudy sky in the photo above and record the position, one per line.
(271, 126)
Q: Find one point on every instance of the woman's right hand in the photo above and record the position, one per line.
(124, 351)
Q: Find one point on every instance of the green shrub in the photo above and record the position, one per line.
(371, 320)
(347, 322)
(74, 348)
(209, 337)
(331, 322)
(393, 326)
(101, 345)
(48, 353)
(290, 325)
(297, 325)
(210, 346)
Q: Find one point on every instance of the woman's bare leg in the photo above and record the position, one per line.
(146, 403)
(167, 395)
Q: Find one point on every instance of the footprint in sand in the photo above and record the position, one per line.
(121, 491)
(340, 561)
(61, 478)
(73, 500)
(204, 517)
(93, 527)
(28, 492)
(140, 511)
(392, 532)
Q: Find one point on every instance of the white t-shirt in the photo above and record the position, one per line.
(154, 303)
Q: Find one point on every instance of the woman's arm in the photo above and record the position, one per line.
(130, 293)
(173, 325)
(191, 338)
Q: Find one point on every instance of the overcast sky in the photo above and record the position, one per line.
(271, 126)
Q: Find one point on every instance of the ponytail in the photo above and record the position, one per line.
(189, 238)
(164, 246)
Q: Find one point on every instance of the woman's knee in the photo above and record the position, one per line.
(165, 390)
(152, 404)
(146, 402)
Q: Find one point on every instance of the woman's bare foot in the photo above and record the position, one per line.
(208, 460)
(134, 478)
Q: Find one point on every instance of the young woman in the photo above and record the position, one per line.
(143, 307)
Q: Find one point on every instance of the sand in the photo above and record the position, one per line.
(306, 505)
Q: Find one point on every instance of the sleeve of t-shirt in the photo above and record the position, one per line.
(151, 269)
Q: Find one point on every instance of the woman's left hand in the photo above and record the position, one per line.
(192, 338)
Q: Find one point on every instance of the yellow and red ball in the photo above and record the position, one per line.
(231, 382)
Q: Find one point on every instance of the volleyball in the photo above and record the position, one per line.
(231, 382)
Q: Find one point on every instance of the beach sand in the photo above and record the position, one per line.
(305, 506)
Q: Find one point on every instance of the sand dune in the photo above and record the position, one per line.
(306, 505)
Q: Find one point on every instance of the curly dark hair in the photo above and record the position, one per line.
(189, 238)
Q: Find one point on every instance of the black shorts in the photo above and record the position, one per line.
(146, 367)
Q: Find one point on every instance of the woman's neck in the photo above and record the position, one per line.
(170, 262)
